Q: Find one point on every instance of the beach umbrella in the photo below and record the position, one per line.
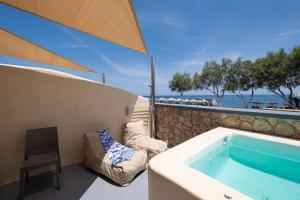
(171, 100)
(178, 100)
(193, 101)
(161, 100)
(185, 101)
(205, 102)
(297, 94)
(200, 101)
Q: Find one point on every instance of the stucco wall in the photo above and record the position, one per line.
(162, 188)
(178, 124)
(34, 98)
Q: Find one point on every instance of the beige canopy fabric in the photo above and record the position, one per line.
(112, 20)
(15, 46)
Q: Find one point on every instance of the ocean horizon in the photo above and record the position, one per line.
(232, 101)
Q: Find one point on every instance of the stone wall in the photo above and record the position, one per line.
(178, 124)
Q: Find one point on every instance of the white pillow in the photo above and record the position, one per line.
(133, 131)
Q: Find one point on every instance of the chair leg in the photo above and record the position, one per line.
(21, 192)
(57, 166)
(27, 176)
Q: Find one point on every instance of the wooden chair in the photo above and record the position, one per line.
(41, 149)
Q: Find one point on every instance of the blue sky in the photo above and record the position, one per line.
(181, 35)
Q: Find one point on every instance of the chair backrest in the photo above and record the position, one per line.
(141, 113)
(42, 140)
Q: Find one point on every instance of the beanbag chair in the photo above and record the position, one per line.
(96, 159)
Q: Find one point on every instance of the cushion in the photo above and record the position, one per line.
(151, 145)
(133, 130)
(123, 172)
(93, 148)
(135, 137)
(116, 152)
(97, 160)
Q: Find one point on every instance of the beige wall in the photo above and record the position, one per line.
(34, 98)
(161, 188)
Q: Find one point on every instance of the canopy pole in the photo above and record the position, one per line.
(152, 100)
(103, 78)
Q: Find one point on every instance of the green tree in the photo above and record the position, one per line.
(242, 79)
(181, 83)
(279, 72)
(214, 78)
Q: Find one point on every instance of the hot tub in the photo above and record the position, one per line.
(227, 164)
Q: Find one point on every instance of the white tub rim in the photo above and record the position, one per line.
(169, 163)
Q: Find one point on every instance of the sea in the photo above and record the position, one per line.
(233, 101)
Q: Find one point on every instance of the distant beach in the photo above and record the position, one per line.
(231, 101)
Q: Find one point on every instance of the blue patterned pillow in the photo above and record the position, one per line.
(106, 139)
(116, 152)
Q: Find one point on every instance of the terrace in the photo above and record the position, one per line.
(75, 178)
(78, 182)
(175, 123)
(34, 97)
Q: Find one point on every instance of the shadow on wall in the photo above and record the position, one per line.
(33, 98)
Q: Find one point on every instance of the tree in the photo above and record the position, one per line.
(214, 78)
(280, 71)
(242, 79)
(181, 83)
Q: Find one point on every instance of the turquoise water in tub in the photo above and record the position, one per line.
(262, 170)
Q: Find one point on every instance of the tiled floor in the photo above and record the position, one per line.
(75, 181)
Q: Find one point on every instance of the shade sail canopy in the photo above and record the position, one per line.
(15, 46)
(112, 20)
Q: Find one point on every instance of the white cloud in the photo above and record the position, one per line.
(195, 63)
(204, 50)
(75, 46)
(137, 71)
(201, 52)
(74, 37)
(130, 71)
(167, 20)
(189, 63)
(233, 55)
(172, 21)
(289, 33)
